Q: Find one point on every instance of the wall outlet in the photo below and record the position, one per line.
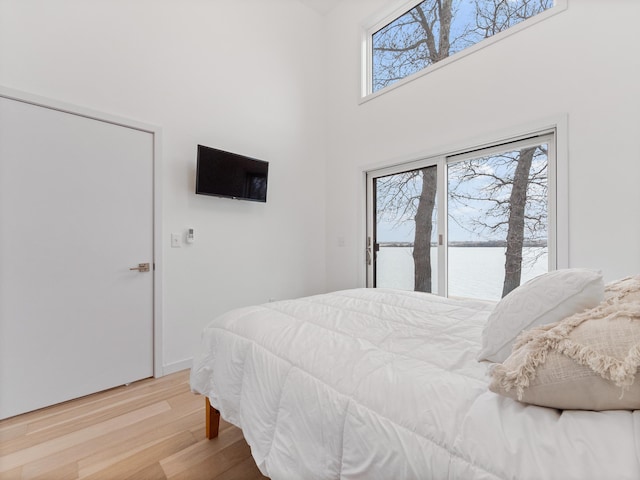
(176, 241)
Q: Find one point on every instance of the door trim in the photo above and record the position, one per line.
(156, 131)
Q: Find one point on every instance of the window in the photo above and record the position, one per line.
(472, 224)
(434, 30)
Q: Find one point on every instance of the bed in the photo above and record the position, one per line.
(385, 384)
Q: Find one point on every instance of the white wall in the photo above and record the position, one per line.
(241, 75)
(250, 76)
(582, 63)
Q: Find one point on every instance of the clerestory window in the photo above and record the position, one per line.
(431, 32)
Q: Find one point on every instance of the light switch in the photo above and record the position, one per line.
(175, 240)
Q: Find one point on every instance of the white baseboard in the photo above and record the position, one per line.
(176, 367)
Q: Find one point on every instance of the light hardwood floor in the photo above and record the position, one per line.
(152, 429)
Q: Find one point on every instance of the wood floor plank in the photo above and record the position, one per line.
(152, 472)
(13, 474)
(132, 436)
(144, 458)
(72, 420)
(198, 453)
(132, 390)
(113, 451)
(11, 433)
(152, 429)
(65, 472)
(61, 443)
(217, 464)
(245, 470)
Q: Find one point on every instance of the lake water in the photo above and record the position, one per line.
(476, 272)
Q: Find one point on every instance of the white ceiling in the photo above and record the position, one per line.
(321, 6)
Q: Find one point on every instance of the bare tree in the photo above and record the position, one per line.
(510, 205)
(494, 16)
(421, 37)
(515, 231)
(410, 197)
(416, 40)
(436, 29)
(422, 242)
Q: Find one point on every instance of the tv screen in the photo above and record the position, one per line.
(226, 174)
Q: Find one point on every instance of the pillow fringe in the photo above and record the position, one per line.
(621, 288)
(555, 337)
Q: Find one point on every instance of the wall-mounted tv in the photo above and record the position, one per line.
(226, 174)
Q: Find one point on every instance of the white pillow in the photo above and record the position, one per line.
(545, 299)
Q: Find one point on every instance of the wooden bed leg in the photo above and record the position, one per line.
(213, 420)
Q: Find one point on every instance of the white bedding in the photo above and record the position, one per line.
(384, 384)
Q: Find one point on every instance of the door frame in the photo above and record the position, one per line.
(156, 132)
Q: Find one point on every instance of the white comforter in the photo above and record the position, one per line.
(383, 384)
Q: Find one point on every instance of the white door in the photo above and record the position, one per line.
(76, 213)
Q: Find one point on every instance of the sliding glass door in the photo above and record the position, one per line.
(471, 224)
(402, 240)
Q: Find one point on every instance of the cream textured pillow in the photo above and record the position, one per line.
(588, 361)
(542, 300)
(623, 290)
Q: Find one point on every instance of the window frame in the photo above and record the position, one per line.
(388, 16)
(554, 132)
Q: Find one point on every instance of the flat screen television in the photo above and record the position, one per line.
(226, 174)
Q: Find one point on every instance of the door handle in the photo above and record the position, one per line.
(142, 267)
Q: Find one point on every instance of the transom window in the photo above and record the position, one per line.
(431, 31)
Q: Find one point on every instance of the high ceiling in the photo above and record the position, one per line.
(321, 6)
